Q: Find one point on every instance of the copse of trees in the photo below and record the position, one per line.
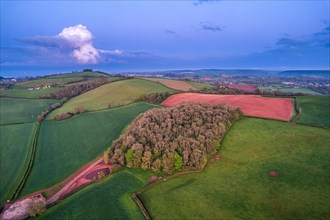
(75, 90)
(171, 139)
(155, 98)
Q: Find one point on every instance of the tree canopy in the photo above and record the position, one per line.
(171, 139)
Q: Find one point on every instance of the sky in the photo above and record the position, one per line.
(43, 37)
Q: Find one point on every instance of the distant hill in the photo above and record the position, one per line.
(305, 72)
(2, 78)
(219, 71)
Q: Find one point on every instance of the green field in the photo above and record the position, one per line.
(45, 81)
(60, 79)
(78, 74)
(286, 89)
(65, 146)
(315, 110)
(14, 154)
(24, 93)
(200, 85)
(118, 93)
(14, 110)
(110, 199)
(239, 186)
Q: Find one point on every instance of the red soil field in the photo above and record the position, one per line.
(243, 87)
(174, 84)
(251, 105)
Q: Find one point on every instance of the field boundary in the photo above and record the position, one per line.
(106, 109)
(297, 111)
(16, 183)
(30, 163)
(17, 123)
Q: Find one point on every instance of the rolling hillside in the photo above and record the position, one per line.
(116, 94)
(65, 146)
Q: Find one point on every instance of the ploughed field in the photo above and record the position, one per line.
(251, 105)
(243, 87)
(267, 170)
(175, 84)
(65, 146)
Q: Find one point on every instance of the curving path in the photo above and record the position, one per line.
(69, 184)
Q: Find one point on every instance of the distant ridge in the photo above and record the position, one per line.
(305, 72)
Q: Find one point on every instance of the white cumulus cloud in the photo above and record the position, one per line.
(80, 39)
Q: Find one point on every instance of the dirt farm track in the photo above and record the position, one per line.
(251, 105)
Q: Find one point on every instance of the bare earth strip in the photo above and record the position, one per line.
(251, 105)
(19, 208)
(72, 181)
(174, 84)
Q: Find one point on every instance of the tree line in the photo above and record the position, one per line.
(167, 140)
(75, 90)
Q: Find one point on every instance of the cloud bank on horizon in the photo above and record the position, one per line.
(135, 36)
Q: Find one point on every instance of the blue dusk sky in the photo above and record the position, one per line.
(42, 37)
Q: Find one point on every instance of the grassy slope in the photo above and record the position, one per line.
(20, 90)
(78, 74)
(110, 199)
(14, 153)
(44, 81)
(239, 187)
(293, 90)
(21, 110)
(315, 110)
(200, 85)
(63, 147)
(117, 93)
(20, 93)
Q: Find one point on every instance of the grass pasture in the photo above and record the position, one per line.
(117, 93)
(65, 146)
(282, 88)
(14, 154)
(110, 199)
(45, 81)
(315, 110)
(20, 93)
(238, 186)
(15, 110)
(200, 86)
(79, 74)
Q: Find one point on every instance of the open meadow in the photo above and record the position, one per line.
(15, 151)
(15, 110)
(282, 88)
(200, 86)
(241, 185)
(109, 199)
(65, 146)
(116, 94)
(315, 110)
(28, 94)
